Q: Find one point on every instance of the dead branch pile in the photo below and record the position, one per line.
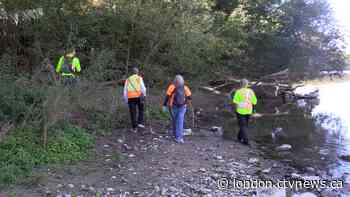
(274, 86)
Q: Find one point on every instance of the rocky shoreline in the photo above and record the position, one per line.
(153, 165)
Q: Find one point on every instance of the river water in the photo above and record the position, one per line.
(318, 131)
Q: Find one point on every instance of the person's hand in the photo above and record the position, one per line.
(165, 109)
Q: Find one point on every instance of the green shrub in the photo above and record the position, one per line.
(16, 101)
(21, 151)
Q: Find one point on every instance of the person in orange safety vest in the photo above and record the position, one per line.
(134, 95)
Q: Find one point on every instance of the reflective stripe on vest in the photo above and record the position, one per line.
(134, 86)
(246, 105)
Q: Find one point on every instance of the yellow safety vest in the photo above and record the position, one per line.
(244, 99)
(134, 86)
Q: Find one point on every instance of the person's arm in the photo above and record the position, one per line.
(188, 94)
(59, 64)
(76, 65)
(237, 98)
(169, 92)
(143, 87)
(125, 92)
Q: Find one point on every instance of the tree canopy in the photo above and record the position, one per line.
(193, 37)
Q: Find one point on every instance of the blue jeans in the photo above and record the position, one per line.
(178, 116)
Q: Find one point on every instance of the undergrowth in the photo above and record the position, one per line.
(21, 151)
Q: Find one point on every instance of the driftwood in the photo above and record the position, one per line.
(273, 86)
(212, 90)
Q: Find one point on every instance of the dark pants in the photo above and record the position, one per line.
(243, 121)
(69, 81)
(133, 104)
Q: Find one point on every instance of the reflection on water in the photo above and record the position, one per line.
(318, 134)
(333, 115)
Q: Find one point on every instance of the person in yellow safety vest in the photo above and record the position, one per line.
(134, 95)
(244, 100)
(68, 66)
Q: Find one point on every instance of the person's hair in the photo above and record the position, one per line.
(244, 83)
(135, 70)
(179, 81)
(70, 50)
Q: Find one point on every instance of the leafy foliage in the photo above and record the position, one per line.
(16, 102)
(21, 151)
(189, 37)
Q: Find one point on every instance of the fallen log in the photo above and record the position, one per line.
(260, 115)
(212, 90)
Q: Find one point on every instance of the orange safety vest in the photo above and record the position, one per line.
(134, 86)
(170, 92)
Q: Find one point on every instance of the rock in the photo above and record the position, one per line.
(120, 141)
(110, 189)
(217, 130)
(306, 194)
(48, 192)
(127, 147)
(218, 157)
(163, 191)
(188, 132)
(253, 160)
(113, 177)
(323, 152)
(284, 147)
(92, 189)
(266, 171)
(131, 155)
(345, 157)
(304, 177)
(202, 170)
(84, 188)
(346, 178)
(328, 193)
(271, 192)
(106, 146)
(310, 178)
(59, 186)
(310, 169)
(157, 188)
(71, 186)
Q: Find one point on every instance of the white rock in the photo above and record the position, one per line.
(306, 194)
(284, 147)
(106, 146)
(267, 170)
(271, 192)
(253, 160)
(187, 132)
(131, 155)
(110, 189)
(310, 169)
(218, 157)
(70, 185)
